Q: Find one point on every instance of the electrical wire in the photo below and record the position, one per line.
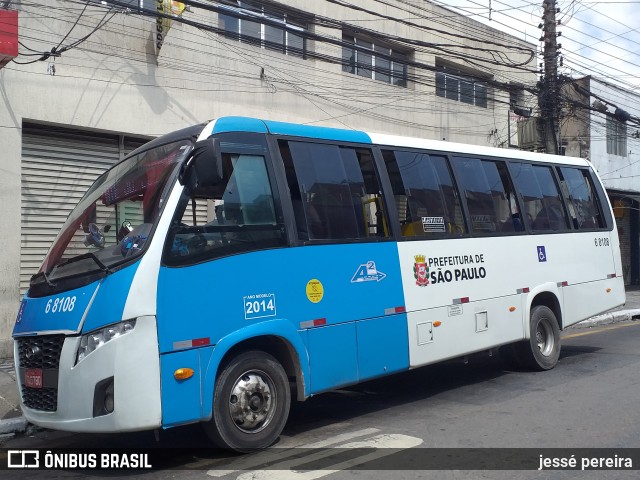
(326, 84)
(57, 51)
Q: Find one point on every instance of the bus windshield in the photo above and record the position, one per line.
(115, 218)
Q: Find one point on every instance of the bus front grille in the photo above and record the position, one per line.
(40, 356)
(40, 352)
(45, 399)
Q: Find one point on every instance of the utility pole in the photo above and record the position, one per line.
(549, 98)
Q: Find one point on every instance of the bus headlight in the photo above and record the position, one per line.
(94, 340)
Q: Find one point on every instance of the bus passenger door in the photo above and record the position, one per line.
(353, 314)
(351, 311)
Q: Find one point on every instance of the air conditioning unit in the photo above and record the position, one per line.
(529, 133)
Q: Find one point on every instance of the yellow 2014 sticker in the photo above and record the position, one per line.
(315, 290)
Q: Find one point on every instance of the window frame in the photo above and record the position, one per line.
(285, 214)
(291, 20)
(238, 143)
(455, 185)
(505, 161)
(383, 182)
(603, 212)
(616, 137)
(556, 180)
(375, 50)
(446, 74)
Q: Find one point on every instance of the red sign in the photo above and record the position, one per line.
(33, 378)
(8, 36)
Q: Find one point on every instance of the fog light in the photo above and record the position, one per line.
(103, 397)
(108, 399)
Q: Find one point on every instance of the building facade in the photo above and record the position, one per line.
(602, 123)
(94, 81)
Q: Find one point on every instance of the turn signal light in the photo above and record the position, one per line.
(608, 290)
(183, 373)
(512, 309)
(437, 323)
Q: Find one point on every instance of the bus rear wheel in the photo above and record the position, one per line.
(251, 403)
(542, 351)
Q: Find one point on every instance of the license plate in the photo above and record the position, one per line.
(33, 378)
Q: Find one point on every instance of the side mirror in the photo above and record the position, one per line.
(207, 162)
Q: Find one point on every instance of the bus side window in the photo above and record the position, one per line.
(505, 199)
(236, 216)
(543, 206)
(489, 195)
(586, 213)
(334, 190)
(424, 194)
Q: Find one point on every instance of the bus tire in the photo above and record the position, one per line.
(542, 351)
(251, 403)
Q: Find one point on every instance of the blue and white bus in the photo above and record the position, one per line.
(222, 270)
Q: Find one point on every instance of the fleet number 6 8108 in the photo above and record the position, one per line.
(60, 304)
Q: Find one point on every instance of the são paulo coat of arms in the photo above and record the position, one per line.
(421, 271)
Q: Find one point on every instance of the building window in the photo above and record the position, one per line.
(455, 85)
(616, 137)
(372, 60)
(265, 26)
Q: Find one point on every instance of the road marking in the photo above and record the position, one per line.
(343, 437)
(384, 444)
(602, 329)
(274, 454)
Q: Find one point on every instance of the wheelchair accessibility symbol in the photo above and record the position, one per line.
(542, 254)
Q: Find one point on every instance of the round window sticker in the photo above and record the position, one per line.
(315, 290)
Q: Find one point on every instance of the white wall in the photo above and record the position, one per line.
(617, 172)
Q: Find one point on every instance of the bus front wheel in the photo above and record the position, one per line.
(542, 351)
(251, 403)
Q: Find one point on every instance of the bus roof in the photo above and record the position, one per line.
(255, 125)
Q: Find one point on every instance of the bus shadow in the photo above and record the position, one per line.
(569, 351)
(482, 380)
(396, 390)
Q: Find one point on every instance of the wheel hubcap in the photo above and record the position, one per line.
(252, 401)
(544, 338)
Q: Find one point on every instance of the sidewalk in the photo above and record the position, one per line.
(12, 421)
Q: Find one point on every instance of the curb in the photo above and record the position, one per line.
(13, 425)
(611, 317)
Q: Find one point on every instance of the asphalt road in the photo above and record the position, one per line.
(590, 400)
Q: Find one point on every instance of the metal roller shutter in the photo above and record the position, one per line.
(58, 166)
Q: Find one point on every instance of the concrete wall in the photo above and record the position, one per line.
(115, 82)
(575, 126)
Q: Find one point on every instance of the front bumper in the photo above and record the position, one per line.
(133, 362)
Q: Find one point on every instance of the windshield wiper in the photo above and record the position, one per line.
(101, 266)
(92, 256)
